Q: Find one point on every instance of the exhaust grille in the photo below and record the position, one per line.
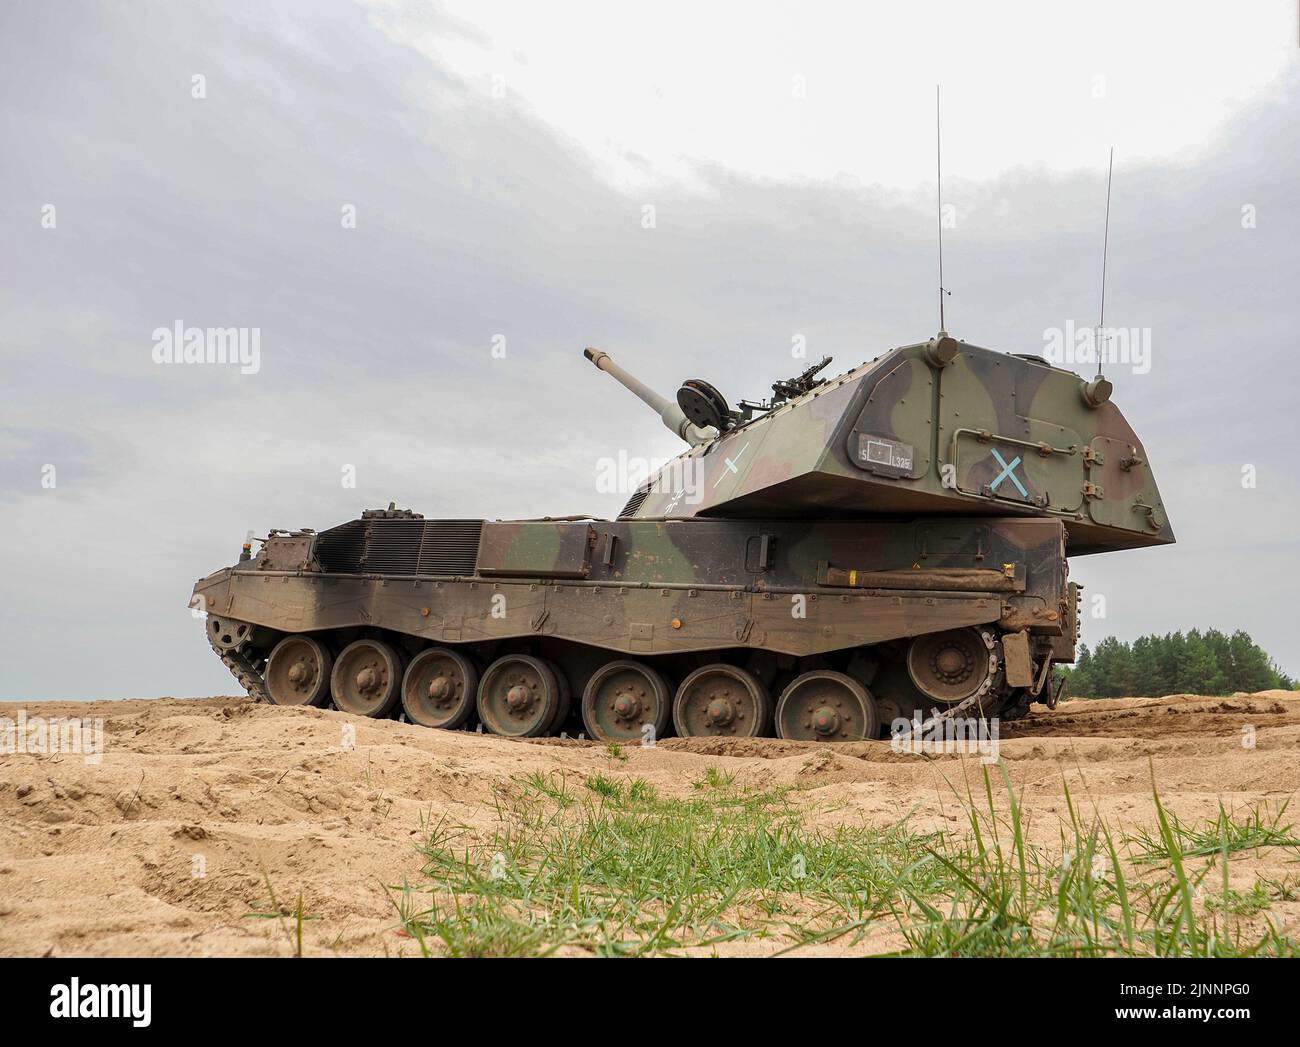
(340, 549)
(400, 546)
(394, 546)
(449, 546)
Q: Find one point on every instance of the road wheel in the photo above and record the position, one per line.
(621, 698)
(722, 699)
(440, 688)
(519, 696)
(298, 672)
(367, 678)
(565, 704)
(826, 706)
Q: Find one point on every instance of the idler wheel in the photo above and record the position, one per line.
(440, 688)
(722, 699)
(367, 678)
(621, 698)
(298, 672)
(826, 706)
(226, 634)
(519, 696)
(950, 666)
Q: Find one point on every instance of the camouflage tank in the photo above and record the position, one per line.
(889, 543)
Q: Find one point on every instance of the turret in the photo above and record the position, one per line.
(938, 428)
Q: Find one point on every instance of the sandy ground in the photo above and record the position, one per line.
(100, 858)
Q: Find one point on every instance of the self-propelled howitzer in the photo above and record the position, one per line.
(851, 551)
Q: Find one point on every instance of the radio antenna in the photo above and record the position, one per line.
(1105, 249)
(938, 162)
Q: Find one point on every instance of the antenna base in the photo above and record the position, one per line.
(941, 350)
(1097, 392)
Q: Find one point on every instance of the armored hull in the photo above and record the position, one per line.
(887, 544)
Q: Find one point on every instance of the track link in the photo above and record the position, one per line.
(242, 669)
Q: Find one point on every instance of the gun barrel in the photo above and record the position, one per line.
(669, 413)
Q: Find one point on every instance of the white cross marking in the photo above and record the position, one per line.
(730, 463)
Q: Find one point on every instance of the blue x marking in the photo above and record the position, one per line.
(1008, 472)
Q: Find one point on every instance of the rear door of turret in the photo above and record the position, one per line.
(1118, 479)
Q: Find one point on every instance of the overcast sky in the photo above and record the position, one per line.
(499, 160)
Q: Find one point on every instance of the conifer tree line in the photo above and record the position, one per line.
(1176, 663)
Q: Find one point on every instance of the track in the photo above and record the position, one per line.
(244, 671)
(983, 703)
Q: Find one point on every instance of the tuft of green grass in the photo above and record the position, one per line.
(639, 791)
(553, 785)
(617, 869)
(1241, 903)
(1225, 834)
(606, 788)
(716, 778)
(625, 871)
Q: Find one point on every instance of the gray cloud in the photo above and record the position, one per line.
(476, 220)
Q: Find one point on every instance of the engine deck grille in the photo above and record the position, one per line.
(449, 546)
(400, 546)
